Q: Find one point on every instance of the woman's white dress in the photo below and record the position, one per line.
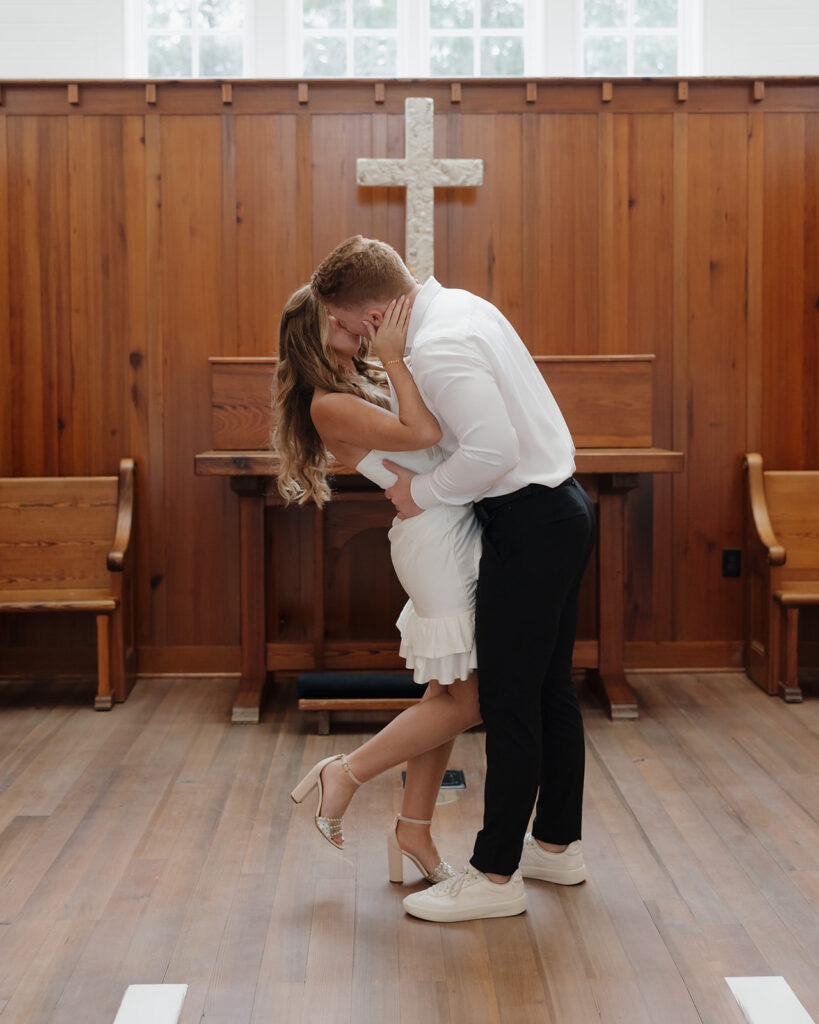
(435, 555)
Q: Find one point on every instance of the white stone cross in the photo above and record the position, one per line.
(421, 174)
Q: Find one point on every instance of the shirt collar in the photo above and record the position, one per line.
(423, 300)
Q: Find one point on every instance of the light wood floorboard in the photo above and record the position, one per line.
(157, 843)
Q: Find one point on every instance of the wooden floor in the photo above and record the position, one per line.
(157, 843)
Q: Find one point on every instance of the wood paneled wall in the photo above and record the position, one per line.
(137, 238)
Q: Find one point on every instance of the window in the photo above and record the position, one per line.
(412, 38)
(350, 37)
(631, 37)
(194, 38)
(438, 38)
(476, 37)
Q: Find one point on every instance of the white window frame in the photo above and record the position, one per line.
(531, 15)
(554, 37)
(414, 36)
(137, 35)
(349, 34)
(688, 35)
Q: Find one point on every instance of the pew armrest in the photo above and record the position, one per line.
(759, 509)
(125, 516)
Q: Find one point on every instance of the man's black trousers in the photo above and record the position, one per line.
(536, 543)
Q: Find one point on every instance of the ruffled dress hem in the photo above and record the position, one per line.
(442, 648)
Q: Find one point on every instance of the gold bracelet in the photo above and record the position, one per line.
(389, 361)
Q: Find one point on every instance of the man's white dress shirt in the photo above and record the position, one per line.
(502, 428)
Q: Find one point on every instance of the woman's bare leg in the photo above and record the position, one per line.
(424, 775)
(442, 714)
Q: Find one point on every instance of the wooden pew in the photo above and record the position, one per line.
(782, 574)
(64, 546)
(608, 404)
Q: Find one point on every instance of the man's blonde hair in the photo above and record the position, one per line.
(360, 271)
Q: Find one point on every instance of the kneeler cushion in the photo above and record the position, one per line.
(352, 685)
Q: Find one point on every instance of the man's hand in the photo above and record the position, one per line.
(400, 494)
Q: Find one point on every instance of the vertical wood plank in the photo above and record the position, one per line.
(138, 302)
(784, 205)
(39, 286)
(679, 395)
(810, 307)
(717, 219)
(643, 271)
(756, 284)
(200, 514)
(530, 233)
(337, 140)
(567, 196)
(267, 226)
(230, 217)
(78, 406)
(106, 179)
(6, 366)
(152, 623)
(491, 215)
(612, 267)
(304, 249)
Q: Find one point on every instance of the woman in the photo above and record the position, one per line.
(332, 400)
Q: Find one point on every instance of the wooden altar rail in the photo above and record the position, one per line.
(607, 402)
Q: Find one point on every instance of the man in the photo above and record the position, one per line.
(509, 450)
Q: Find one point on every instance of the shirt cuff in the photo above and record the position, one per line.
(421, 491)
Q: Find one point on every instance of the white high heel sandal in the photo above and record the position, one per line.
(395, 856)
(330, 828)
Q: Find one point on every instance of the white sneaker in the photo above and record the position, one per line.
(468, 896)
(567, 868)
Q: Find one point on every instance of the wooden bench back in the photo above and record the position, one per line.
(793, 506)
(55, 533)
(606, 400)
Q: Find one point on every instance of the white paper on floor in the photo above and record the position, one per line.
(151, 1004)
(768, 1001)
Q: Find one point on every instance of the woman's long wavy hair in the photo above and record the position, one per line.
(307, 362)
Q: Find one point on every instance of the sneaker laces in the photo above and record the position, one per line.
(452, 886)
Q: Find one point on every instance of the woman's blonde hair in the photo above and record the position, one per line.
(306, 362)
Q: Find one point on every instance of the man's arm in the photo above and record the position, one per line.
(465, 396)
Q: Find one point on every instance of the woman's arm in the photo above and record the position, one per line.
(343, 419)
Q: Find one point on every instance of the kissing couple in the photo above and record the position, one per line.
(431, 394)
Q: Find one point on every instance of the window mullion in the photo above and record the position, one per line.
(194, 40)
(349, 34)
(477, 37)
(248, 35)
(410, 42)
(534, 41)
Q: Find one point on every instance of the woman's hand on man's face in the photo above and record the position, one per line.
(389, 339)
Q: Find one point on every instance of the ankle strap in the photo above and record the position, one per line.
(345, 764)
(412, 821)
